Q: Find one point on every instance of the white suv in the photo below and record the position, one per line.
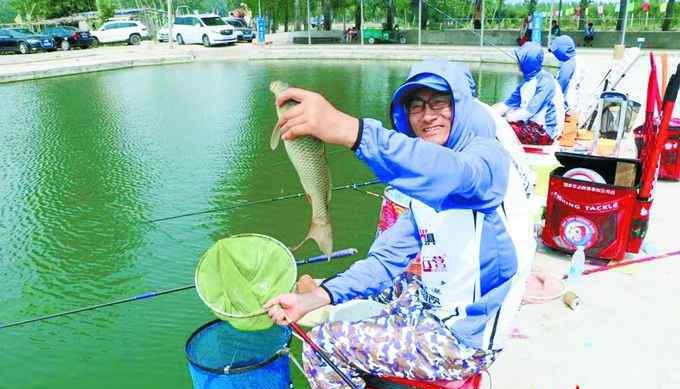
(207, 29)
(129, 31)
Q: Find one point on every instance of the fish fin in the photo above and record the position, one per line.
(276, 137)
(297, 246)
(323, 236)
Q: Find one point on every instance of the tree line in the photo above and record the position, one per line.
(292, 14)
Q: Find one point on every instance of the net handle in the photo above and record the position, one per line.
(322, 354)
(337, 254)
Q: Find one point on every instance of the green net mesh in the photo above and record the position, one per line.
(237, 275)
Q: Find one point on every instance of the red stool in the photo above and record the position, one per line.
(473, 382)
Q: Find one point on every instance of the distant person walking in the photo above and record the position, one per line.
(589, 35)
(555, 29)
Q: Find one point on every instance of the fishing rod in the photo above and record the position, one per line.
(631, 262)
(319, 258)
(321, 353)
(608, 85)
(599, 269)
(368, 192)
(263, 201)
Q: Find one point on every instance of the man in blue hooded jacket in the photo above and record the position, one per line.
(569, 76)
(535, 109)
(467, 222)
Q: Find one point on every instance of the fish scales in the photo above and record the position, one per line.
(308, 156)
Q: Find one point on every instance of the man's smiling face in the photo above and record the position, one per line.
(429, 113)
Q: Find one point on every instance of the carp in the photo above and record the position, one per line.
(308, 156)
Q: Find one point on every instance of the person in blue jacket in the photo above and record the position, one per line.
(569, 76)
(467, 223)
(535, 109)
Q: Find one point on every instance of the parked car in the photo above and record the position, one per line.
(208, 29)
(317, 21)
(163, 35)
(130, 31)
(68, 37)
(243, 32)
(24, 41)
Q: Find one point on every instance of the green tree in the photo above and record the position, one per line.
(623, 8)
(7, 13)
(582, 18)
(531, 6)
(414, 7)
(327, 9)
(106, 9)
(391, 11)
(666, 25)
(28, 9)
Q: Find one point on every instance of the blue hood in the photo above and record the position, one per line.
(530, 59)
(468, 120)
(563, 48)
(468, 76)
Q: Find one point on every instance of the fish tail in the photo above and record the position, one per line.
(322, 234)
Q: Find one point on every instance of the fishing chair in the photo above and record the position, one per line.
(473, 382)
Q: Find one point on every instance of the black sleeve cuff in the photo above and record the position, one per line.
(359, 134)
(330, 295)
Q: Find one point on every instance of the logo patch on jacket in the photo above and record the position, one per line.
(427, 238)
(434, 264)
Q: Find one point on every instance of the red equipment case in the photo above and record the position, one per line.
(611, 219)
(604, 218)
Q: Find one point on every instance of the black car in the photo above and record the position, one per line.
(243, 32)
(24, 41)
(68, 37)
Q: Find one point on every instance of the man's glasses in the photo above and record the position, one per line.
(436, 103)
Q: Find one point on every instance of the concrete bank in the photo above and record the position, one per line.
(42, 65)
(26, 67)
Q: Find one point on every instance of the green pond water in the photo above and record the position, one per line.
(88, 162)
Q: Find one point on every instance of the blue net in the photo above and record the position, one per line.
(221, 356)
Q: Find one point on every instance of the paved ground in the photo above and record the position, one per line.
(624, 335)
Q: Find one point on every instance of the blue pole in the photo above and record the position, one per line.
(337, 254)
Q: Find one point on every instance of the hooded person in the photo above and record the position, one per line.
(535, 109)
(570, 78)
(467, 223)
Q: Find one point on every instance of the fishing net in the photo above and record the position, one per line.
(237, 275)
(223, 357)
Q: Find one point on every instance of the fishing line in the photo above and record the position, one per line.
(263, 201)
(514, 59)
(319, 258)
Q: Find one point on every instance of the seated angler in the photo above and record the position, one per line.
(570, 78)
(467, 222)
(535, 109)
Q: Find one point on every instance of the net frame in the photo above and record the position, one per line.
(261, 311)
(227, 369)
